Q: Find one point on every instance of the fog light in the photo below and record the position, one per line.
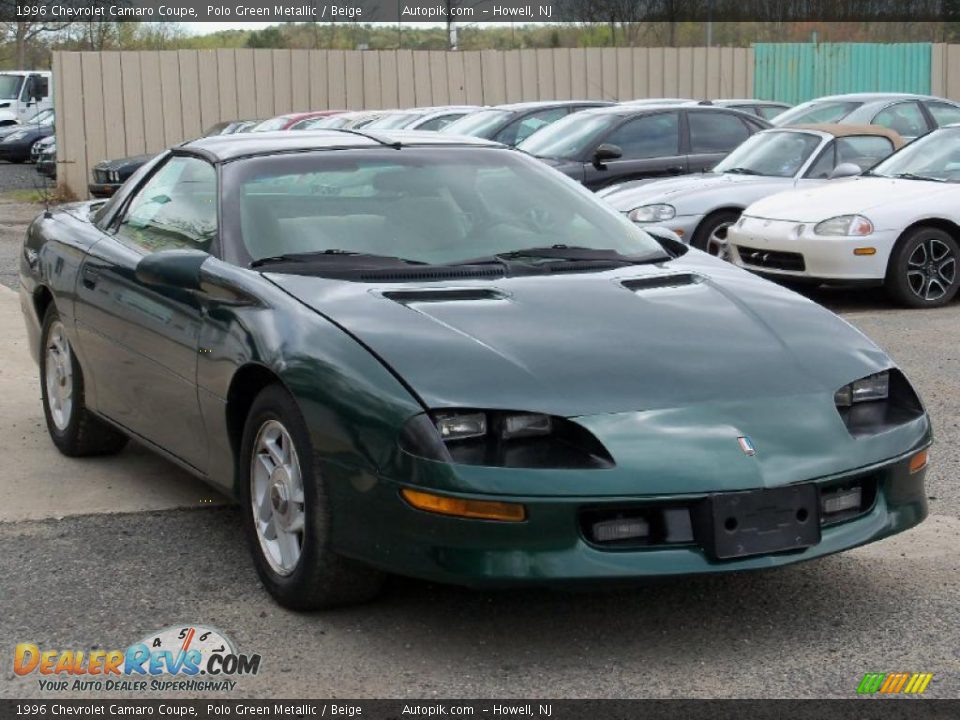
(918, 461)
(841, 500)
(459, 507)
(620, 529)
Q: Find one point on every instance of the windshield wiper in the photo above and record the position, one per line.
(741, 171)
(334, 255)
(567, 253)
(914, 176)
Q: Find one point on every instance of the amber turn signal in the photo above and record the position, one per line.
(458, 507)
(865, 251)
(918, 461)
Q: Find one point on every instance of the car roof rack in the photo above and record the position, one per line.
(395, 144)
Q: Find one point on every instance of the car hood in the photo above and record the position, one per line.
(627, 196)
(846, 197)
(694, 331)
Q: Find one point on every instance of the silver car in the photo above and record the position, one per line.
(700, 208)
(909, 115)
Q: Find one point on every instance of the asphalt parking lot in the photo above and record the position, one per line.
(94, 554)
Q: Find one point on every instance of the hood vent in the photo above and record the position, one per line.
(408, 297)
(657, 282)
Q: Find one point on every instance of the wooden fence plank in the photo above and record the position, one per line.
(207, 88)
(114, 125)
(190, 93)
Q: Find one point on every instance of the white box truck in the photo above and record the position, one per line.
(23, 93)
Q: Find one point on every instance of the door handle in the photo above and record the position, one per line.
(89, 276)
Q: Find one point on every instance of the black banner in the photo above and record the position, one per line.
(471, 11)
(861, 709)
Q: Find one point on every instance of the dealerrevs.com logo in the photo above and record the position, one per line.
(190, 658)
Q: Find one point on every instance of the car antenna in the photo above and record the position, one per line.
(395, 144)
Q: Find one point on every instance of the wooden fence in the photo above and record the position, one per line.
(115, 104)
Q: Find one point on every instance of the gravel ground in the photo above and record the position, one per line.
(15, 216)
(809, 630)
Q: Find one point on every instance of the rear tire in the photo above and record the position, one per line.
(923, 269)
(73, 428)
(711, 234)
(287, 513)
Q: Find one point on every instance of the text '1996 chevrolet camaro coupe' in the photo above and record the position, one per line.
(436, 356)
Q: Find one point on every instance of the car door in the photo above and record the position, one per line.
(650, 147)
(141, 340)
(905, 118)
(712, 135)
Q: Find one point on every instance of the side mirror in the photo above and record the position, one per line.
(172, 268)
(843, 170)
(606, 151)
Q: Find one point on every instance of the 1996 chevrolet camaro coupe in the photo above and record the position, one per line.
(436, 356)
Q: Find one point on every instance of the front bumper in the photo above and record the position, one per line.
(550, 546)
(791, 250)
(16, 151)
(683, 225)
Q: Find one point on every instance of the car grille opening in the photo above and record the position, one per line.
(772, 259)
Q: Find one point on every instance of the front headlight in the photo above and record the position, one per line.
(652, 213)
(500, 438)
(844, 226)
(872, 387)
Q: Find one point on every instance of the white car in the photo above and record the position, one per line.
(897, 225)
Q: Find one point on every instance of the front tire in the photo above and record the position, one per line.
(711, 234)
(73, 428)
(923, 269)
(287, 512)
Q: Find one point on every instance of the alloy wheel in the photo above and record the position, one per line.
(931, 269)
(59, 376)
(717, 244)
(277, 497)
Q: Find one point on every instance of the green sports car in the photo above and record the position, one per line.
(436, 356)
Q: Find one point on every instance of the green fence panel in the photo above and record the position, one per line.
(795, 72)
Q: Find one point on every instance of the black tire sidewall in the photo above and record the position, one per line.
(709, 224)
(896, 280)
(63, 439)
(275, 403)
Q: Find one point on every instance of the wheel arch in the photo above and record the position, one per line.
(247, 382)
(947, 226)
(715, 211)
(42, 300)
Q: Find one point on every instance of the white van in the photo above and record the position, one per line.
(23, 93)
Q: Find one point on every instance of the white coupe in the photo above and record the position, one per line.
(897, 225)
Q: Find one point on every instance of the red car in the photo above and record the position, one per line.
(285, 122)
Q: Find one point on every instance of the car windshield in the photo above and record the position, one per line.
(780, 153)
(10, 86)
(818, 111)
(933, 157)
(425, 205)
(393, 120)
(483, 124)
(569, 137)
(276, 123)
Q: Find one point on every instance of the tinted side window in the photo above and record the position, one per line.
(944, 113)
(824, 165)
(177, 208)
(648, 136)
(519, 130)
(864, 151)
(713, 132)
(905, 118)
(769, 112)
(439, 122)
